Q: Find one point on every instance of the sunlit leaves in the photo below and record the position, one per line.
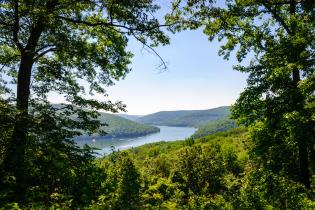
(278, 38)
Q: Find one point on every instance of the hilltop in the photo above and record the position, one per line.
(185, 118)
(120, 127)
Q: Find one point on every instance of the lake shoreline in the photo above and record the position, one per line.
(167, 133)
(111, 137)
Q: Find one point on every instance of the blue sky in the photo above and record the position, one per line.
(196, 77)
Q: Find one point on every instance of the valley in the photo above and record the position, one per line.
(129, 131)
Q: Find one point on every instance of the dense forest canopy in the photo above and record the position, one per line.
(214, 127)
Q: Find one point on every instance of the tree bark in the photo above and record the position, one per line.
(15, 155)
(14, 161)
(298, 102)
(304, 163)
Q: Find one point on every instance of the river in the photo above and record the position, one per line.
(166, 134)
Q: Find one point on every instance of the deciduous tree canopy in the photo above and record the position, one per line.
(279, 101)
(70, 48)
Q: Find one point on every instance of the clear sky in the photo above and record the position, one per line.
(196, 77)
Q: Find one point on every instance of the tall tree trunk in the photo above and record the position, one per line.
(14, 160)
(304, 163)
(298, 102)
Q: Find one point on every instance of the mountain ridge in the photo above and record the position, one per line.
(118, 127)
(185, 118)
(131, 117)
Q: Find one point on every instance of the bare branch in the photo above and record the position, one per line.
(163, 64)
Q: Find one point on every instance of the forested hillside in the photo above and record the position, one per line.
(122, 128)
(115, 125)
(214, 127)
(189, 118)
(130, 117)
(213, 172)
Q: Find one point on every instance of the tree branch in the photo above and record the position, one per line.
(44, 53)
(8, 60)
(276, 16)
(16, 26)
(43, 47)
(163, 64)
(111, 24)
(5, 24)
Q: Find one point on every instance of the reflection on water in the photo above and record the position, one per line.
(166, 134)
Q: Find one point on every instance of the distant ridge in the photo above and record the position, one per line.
(119, 127)
(130, 117)
(185, 118)
(123, 128)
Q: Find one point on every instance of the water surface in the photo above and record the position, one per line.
(166, 134)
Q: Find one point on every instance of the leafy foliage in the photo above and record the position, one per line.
(214, 127)
(215, 172)
(72, 48)
(279, 36)
(122, 184)
(57, 171)
(53, 45)
(178, 176)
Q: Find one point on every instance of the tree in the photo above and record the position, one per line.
(122, 184)
(278, 102)
(128, 187)
(53, 45)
